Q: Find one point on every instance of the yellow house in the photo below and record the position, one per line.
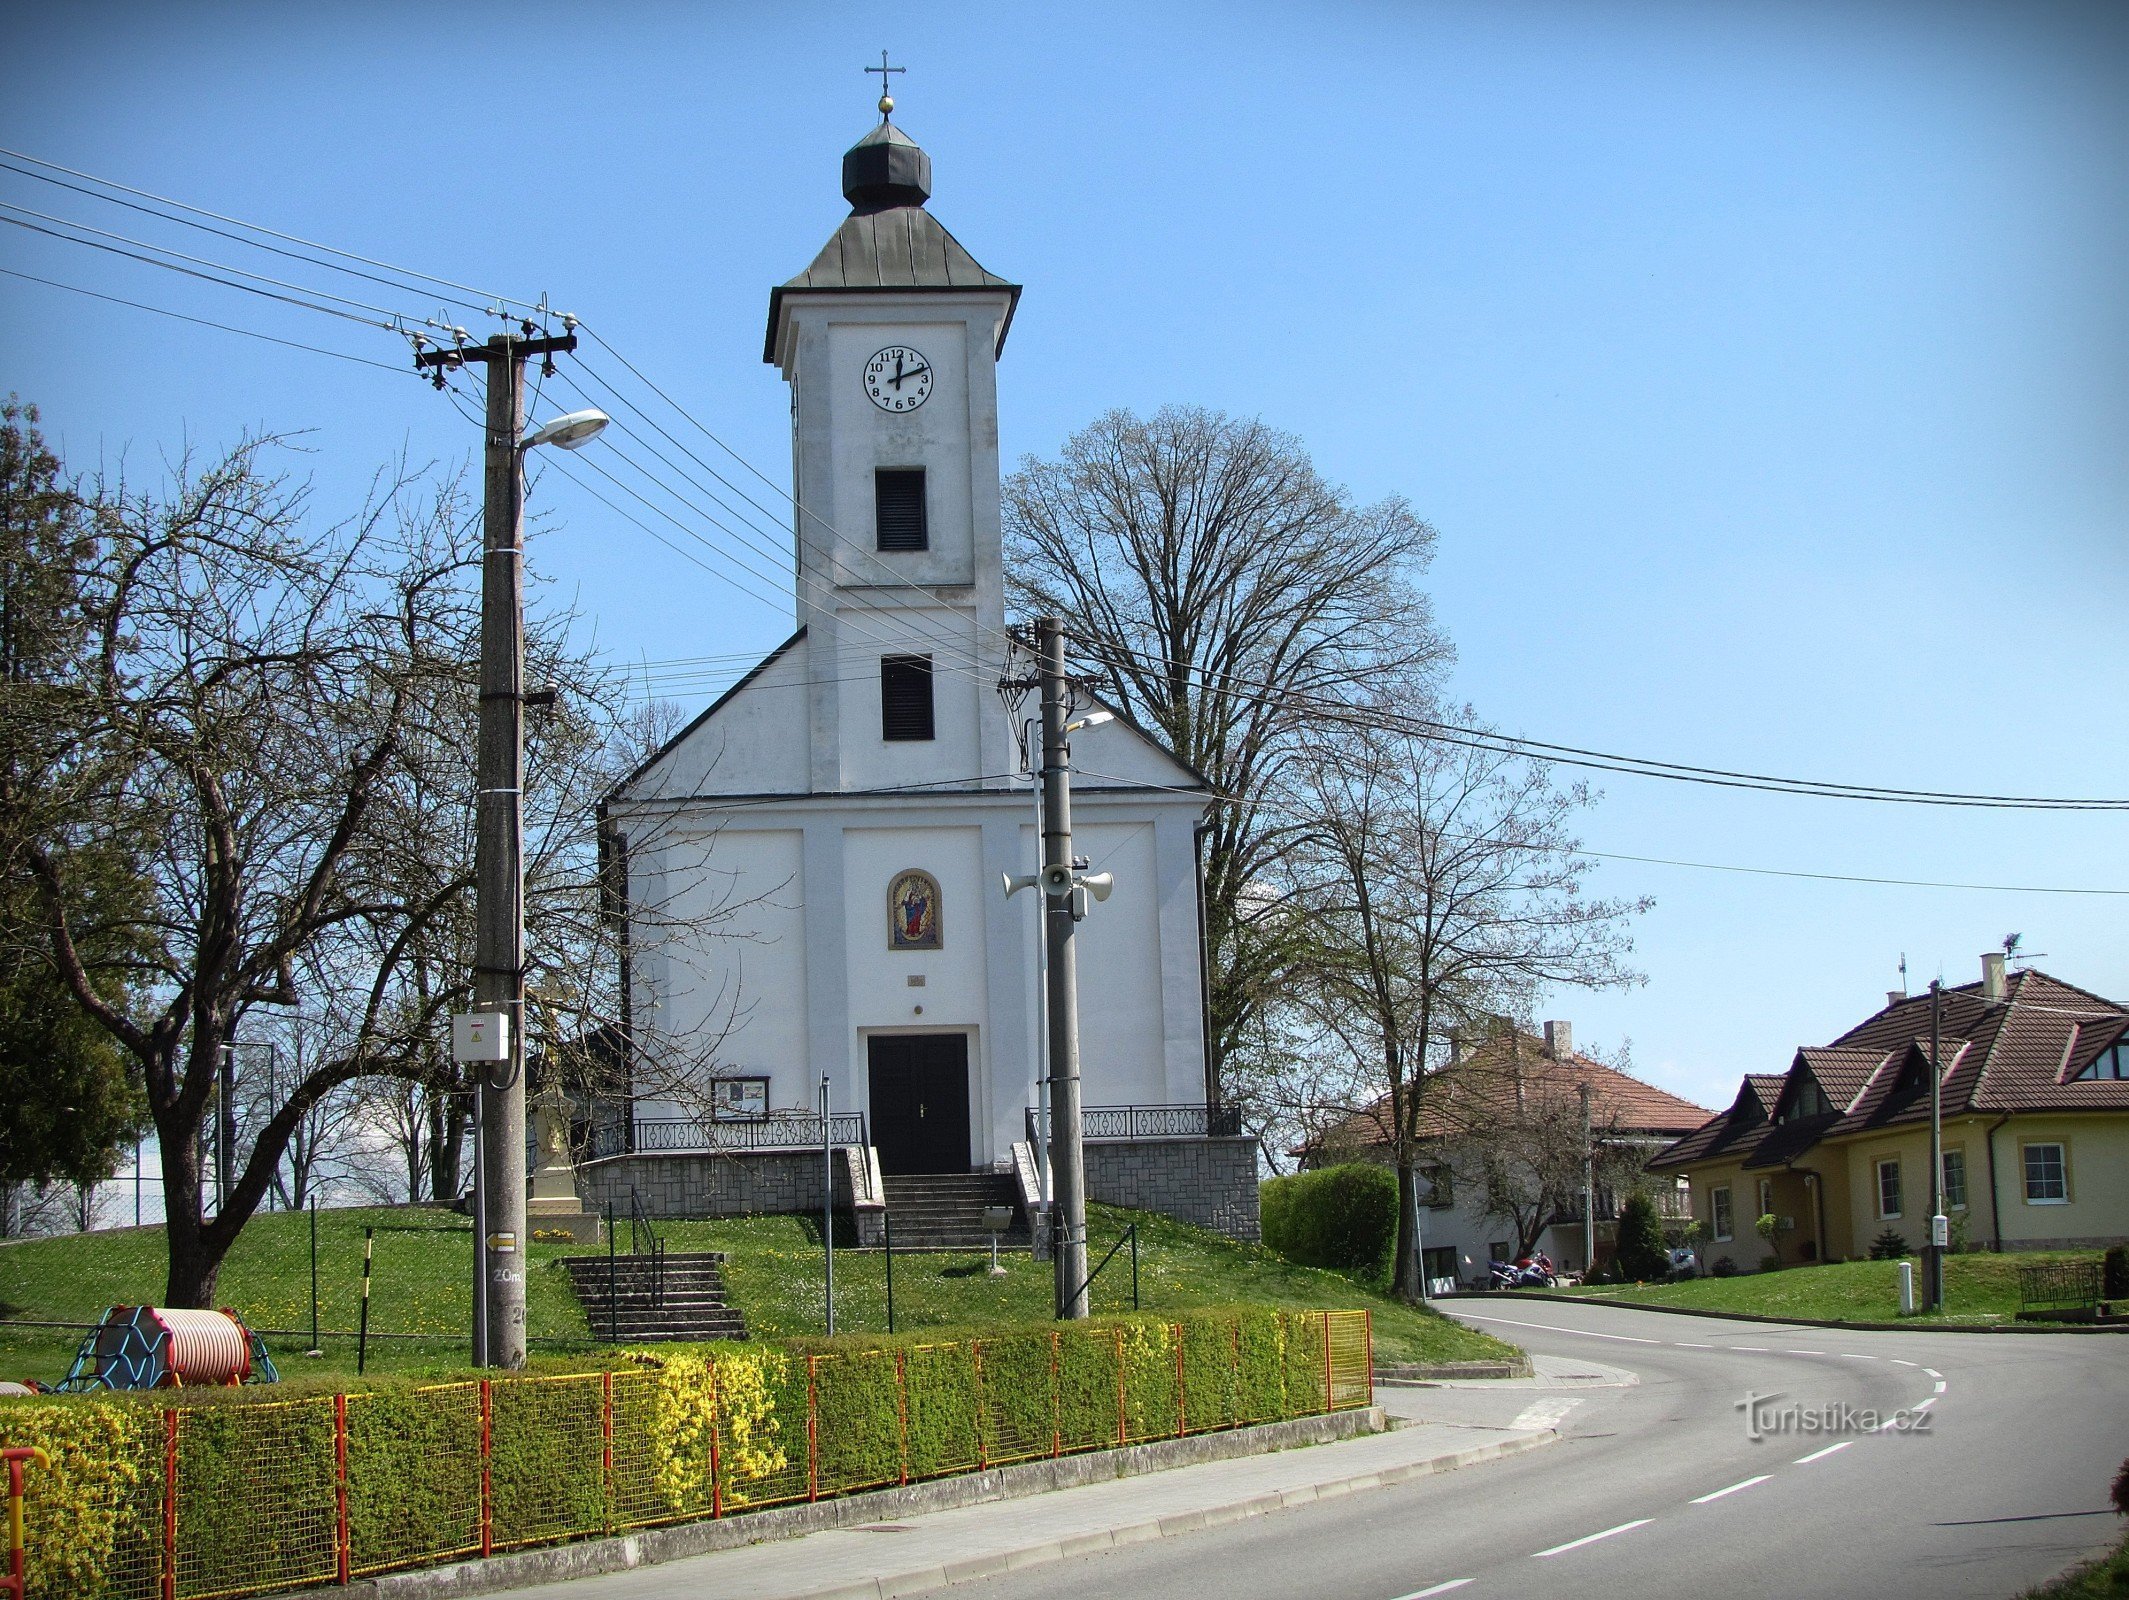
(2033, 1087)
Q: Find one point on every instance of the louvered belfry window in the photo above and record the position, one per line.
(905, 697)
(898, 508)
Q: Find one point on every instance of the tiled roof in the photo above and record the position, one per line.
(2020, 1054)
(1486, 1082)
(1730, 1134)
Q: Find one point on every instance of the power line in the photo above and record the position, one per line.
(205, 277)
(1655, 861)
(1344, 712)
(205, 322)
(271, 233)
(224, 233)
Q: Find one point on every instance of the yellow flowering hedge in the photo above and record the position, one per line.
(659, 1434)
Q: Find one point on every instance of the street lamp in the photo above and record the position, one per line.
(497, 1049)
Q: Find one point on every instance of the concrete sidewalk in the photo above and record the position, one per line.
(931, 1550)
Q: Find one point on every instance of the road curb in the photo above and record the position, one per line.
(1512, 1295)
(1411, 1372)
(654, 1546)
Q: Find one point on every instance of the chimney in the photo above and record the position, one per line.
(1456, 1046)
(1893, 997)
(1560, 1040)
(1992, 978)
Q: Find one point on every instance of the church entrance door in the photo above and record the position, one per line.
(920, 1101)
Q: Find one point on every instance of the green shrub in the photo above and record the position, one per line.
(1344, 1218)
(1640, 1254)
(660, 1437)
(2114, 1273)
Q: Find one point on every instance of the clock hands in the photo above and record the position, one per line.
(900, 374)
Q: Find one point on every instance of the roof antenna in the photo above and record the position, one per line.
(1903, 972)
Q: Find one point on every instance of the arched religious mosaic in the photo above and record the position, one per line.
(913, 912)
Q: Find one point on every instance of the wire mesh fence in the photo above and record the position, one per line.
(222, 1495)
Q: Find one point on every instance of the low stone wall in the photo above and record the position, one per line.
(739, 1183)
(1210, 1182)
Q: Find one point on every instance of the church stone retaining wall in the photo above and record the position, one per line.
(1210, 1182)
(746, 1183)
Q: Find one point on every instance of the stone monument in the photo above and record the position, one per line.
(553, 1206)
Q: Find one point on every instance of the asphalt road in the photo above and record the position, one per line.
(1657, 1489)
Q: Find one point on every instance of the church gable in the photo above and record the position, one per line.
(1121, 754)
(751, 740)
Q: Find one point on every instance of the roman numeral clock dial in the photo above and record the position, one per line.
(898, 378)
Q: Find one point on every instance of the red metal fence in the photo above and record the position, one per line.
(227, 1499)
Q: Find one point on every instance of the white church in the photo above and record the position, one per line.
(855, 800)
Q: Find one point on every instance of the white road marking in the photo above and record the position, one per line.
(1719, 1493)
(1756, 1349)
(1623, 1338)
(1439, 1588)
(1857, 1355)
(1820, 1455)
(1688, 1344)
(1896, 1361)
(1803, 1352)
(1933, 1372)
(1941, 1386)
(1592, 1538)
(1544, 1413)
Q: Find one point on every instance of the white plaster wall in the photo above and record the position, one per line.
(756, 744)
(1121, 1026)
(720, 949)
(958, 695)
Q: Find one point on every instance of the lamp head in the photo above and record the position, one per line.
(1092, 719)
(568, 431)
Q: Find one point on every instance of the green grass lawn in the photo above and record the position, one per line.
(1977, 1289)
(2104, 1579)
(423, 1268)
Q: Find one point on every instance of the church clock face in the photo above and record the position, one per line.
(898, 378)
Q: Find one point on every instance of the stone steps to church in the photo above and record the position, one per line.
(629, 1299)
(943, 1211)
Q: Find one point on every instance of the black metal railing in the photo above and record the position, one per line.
(1156, 1122)
(2072, 1284)
(779, 1130)
(640, 1233)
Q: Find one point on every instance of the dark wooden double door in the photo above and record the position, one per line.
(920, 1101)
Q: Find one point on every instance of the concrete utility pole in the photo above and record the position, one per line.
(498, 849)
(1933, 1257)
(1066, 1153)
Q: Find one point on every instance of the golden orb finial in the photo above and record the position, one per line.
(886, 104)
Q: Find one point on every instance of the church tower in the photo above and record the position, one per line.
(890, 341)
(815, 865)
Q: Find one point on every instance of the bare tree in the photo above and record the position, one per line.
(282, 715)
(1435, 884)
(1218, 589)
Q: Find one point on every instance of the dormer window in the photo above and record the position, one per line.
(899, 522)
(2112, 1062)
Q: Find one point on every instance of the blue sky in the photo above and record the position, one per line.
(1765, 368)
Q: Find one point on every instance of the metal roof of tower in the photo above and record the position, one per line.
(889, 241)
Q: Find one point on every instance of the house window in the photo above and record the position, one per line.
(905, 697)
(2047, 1175)
(1955, 1180)
(1439, 1264)
(1719, 1211)
(1498, 1251)
(1766, 1197)
(1889, 1188)
(1440, 1192)
(898, 509)
(2112, 1062)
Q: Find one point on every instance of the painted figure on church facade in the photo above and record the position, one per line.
(913, 912)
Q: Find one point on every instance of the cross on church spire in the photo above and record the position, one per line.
(886, 99)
